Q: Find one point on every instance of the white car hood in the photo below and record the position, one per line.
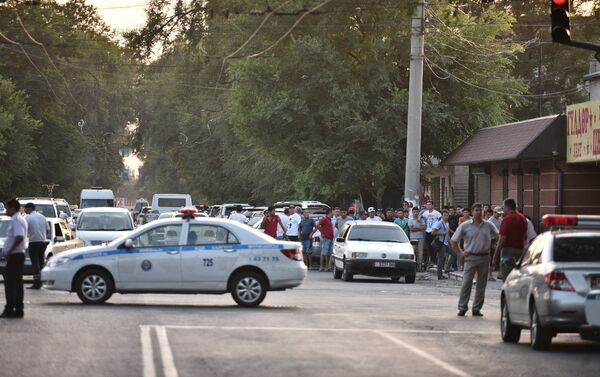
(381, 247)
(101, 235)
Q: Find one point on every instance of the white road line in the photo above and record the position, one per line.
(266, 328)
(169, 369)
(147, 353)
(442, 364)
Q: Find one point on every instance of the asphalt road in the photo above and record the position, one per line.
(370, 327)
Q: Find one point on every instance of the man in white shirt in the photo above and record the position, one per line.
(14, 252)
(282, 227)
(372, 216)
(237, 215)
(293, 224)
(37, 232)
(496, 218)
(431, 216)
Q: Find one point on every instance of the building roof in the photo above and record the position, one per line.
(533, 138)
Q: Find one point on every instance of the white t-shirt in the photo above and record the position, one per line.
(37, 227)
(17, 227)
(293, 225)
(531, 234)
(239, 217)
(430, 218)
(284, 220)
(374, 218)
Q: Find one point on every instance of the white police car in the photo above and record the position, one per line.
(181, 255)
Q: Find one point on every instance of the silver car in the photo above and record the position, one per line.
(549, 287)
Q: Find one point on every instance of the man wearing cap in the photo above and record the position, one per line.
(38, 230)
(496, 218)
(14, 252)
(372, 216)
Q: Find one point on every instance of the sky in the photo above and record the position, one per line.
(121, 14)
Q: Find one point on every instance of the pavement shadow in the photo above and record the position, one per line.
(570, 345)
(169, 307)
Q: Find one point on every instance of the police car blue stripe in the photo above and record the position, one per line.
(149, 250)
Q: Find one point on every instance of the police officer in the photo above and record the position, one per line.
(14, 252)
(37, 232)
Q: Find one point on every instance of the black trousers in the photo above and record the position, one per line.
(36, 254)
(13, 282)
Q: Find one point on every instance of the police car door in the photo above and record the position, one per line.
(209, 257)
(154, 261)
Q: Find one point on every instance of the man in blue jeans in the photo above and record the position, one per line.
(441, 230)
(307, 229)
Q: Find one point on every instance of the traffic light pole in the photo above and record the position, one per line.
(585, 46)
(412, 180)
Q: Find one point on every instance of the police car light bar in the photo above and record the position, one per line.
(571, 221)
(188, 213)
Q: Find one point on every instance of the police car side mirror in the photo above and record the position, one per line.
(414, 242)
(128, 244)
(59, 239)
(509, 263)
(340, 240)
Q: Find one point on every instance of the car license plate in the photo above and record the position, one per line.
(384, 264)
(595, 282)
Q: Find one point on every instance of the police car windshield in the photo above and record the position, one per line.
(3, 228)
(577, 249)
(104, 221)
(377, 234)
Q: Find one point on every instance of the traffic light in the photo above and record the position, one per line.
(561, 25)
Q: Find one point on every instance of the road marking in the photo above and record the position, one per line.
(147, 353)
(442, 364)
(169, 369)
(267, 328)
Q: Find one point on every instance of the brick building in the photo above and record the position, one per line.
(527, 161)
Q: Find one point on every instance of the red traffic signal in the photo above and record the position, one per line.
(561, 24)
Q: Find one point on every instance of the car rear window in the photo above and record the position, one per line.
(577, 249)
(171, 202)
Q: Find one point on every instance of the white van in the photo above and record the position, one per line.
(170, 202)
(96, 197)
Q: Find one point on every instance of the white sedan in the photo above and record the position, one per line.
(101, 225)
(375, 249)
(181, 255)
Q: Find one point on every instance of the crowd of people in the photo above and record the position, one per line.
(472, 240)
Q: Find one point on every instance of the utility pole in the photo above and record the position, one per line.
(412, 180)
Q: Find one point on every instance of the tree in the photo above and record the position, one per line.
(18, 154)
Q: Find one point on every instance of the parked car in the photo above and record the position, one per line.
(146, 215)
(312, 205)
(224, 210)
(170, 202)
(374, 249)
(97, 226)
(96, 197)
(45, 206)
(554, 281)
(60, 238)
(139, 204)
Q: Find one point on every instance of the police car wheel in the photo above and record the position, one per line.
(510, 333)
(248, 289)
(410, 279)
(541, 337)
(94, 287)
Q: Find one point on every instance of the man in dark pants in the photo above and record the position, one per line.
(16, 241)
(37, 231)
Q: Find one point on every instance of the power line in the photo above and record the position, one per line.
(34, 66)
(50, 59)
(515, 94)
(315, 8)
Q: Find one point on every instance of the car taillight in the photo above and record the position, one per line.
(293, 254)
(558, 281)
